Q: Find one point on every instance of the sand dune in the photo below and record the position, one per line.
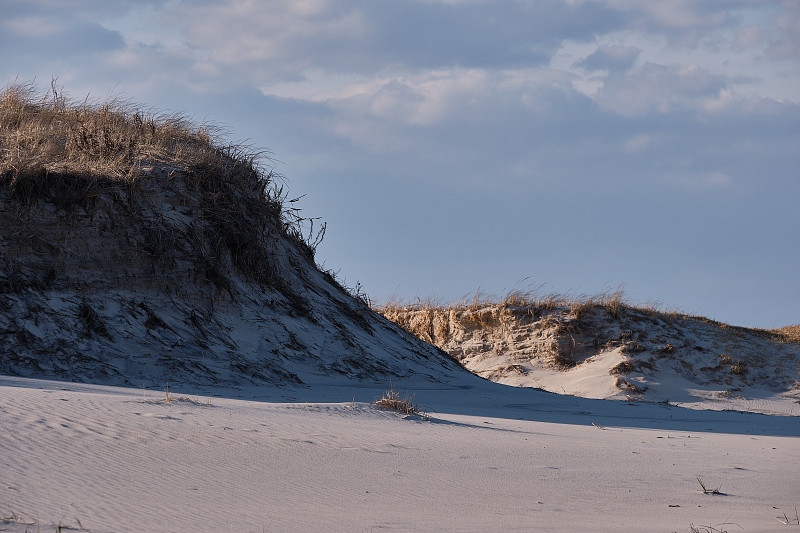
(487, 458)
(172, 359)
(622, 352)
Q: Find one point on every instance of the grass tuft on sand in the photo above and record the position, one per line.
(393, 400)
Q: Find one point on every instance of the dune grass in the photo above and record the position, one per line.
(533, 300)
(790, 333)
(577, 305)
(72, 153)
(788, 520)
(393, 400)
(707, 490)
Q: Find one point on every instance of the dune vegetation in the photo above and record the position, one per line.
(137, 246)
(604, 347)
(533, 303)
(147, 267)
(69, 153)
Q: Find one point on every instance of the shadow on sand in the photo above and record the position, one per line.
(479, 398)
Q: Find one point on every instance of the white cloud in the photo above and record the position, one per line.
(613, 58)
(787, 39)
(749, 37)
(723, 100)
(653, 88)
(541, 105)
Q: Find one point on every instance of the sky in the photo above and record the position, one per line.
(569, 146)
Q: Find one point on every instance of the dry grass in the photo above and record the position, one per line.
(790, 520)
(49, 134)
(531, 301)
(481, 308)
(170, 398)
(393, 400)
(707, 490)
(789, 333)
(71, 154)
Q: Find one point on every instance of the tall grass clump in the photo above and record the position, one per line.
(789, 333)
(48, 135)
(393, 400)
(56, 150)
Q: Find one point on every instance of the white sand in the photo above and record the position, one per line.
(490, 458)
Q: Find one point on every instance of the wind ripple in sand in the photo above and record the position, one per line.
(118, 463)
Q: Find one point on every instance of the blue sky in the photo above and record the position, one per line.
(453, 145)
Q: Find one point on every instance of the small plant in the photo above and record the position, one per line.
(169, 398)
(613, 302)
(667, 349)
(788, 520)
(728, 393)
(738, 368)
(706, 490)
(393, 400)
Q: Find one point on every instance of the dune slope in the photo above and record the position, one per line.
(135, 250)
(616, 351)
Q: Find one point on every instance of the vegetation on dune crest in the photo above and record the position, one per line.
(505, 339)
(133, 243)
(531, 301)
(790, 333)
(480, 307)
(69, 154)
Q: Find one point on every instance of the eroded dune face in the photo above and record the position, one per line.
(133, 250)
(619, 352)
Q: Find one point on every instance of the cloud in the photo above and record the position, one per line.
(787, 36)
(34, 36)
(684, 23)
(524, 125)
(613, 58)
(530, 130)
(749, 37)
(660, 89)
(282, 40)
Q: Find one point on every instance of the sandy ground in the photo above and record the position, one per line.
(486, 458)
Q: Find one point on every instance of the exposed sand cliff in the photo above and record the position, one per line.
(616, 351)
